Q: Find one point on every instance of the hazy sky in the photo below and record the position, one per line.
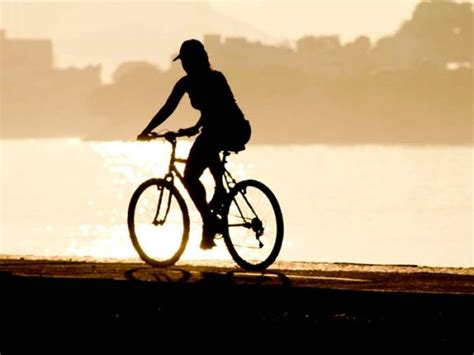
(295, 18)
(110, 32)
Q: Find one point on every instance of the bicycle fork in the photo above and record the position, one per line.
(156, 220)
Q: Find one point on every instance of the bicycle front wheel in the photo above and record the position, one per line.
(254, 225)
(158, 222)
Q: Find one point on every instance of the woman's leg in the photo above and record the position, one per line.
(197, 162)
(217, 171)
(200, 157)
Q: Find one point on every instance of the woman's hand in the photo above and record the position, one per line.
(191, 131)
(142, 137)
(146, 136)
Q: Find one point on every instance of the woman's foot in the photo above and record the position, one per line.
(209, 230)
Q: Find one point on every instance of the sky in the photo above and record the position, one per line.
(110, 32)
(292, 18)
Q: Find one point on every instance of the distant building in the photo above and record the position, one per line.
(37, 98)
(241, 53)
(26, 54)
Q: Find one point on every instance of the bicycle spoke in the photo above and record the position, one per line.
(161, 242)
(246, 246)
(255, 225)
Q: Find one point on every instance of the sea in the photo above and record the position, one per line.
(367, 204)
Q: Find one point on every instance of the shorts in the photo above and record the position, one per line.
(233, 137)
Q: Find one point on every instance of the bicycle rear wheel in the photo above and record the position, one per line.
(254, 225)
(158, 222)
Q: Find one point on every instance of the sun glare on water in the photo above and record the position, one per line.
(130, 164)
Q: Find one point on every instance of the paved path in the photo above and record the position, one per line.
(406, 279)
(339, 303)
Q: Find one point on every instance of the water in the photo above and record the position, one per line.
(362, 204)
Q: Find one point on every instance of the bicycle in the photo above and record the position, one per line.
(250, 217)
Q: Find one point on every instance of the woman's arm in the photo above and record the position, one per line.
(168, 108)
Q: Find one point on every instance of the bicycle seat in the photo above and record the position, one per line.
(234, 150)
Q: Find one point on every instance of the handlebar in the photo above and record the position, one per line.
(169, 136)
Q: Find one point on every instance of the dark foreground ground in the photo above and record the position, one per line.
(339, 304)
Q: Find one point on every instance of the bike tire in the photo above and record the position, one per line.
(158, 236)
(271, 218)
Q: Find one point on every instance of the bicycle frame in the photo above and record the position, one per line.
(228, 180)
(231, 182)
(172, 169)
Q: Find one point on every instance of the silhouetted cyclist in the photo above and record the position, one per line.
(222, 126)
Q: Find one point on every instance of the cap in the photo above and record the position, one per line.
(190, 48)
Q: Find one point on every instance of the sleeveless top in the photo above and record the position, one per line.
(210, 93)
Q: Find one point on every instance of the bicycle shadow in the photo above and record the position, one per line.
(207, 277)
(147, 273)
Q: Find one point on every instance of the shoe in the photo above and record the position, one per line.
(208, 234)
(207, 244)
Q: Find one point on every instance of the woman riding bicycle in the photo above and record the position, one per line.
(222, 126)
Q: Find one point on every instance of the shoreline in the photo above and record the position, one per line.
(282, 264)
